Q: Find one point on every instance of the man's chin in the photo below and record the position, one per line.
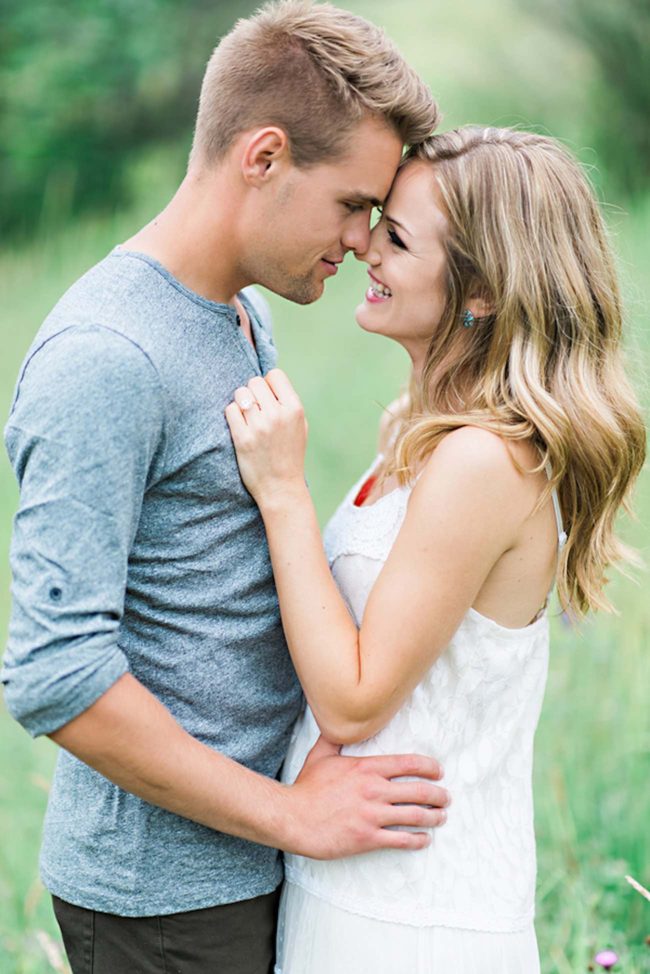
(299, 289)
(303, 292)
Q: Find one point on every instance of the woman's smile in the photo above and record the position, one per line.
(407, 263)
(378, 292)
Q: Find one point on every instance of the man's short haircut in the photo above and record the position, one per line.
(313, 70)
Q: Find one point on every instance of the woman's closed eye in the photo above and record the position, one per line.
(395, 239)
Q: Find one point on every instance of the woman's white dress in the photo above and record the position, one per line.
(465, 904)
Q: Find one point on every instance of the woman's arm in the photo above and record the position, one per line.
(338, 806)
(463, 513)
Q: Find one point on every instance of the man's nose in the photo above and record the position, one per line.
(356, 235)
(370, 253)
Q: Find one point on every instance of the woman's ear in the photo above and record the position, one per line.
(480, 305)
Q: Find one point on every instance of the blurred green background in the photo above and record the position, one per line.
(96, 108)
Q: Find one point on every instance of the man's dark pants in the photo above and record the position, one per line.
(237, 938)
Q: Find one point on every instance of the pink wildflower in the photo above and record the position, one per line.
(606, 959)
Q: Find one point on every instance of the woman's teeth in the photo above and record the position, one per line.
(380, 290)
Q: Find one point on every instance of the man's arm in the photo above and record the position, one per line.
(338, 806)
(84, 435)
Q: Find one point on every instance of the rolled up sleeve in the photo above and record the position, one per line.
(84, 432)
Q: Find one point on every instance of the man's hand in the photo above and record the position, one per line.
(338, 806)
(341, 806)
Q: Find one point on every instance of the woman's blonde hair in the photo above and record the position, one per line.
(313, 70)
(526, 236)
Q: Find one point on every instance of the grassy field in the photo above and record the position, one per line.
(593, 746)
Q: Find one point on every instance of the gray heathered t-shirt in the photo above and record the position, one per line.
(136, 547)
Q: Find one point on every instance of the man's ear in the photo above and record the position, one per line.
(265, 151)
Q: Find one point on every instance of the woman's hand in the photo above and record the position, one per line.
(269, 430)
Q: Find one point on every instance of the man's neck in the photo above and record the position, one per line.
(193, 239)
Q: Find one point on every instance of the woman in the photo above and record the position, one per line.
(500, 473)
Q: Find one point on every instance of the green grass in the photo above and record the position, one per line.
(592, 765)
(487, 62)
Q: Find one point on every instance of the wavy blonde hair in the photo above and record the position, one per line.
(525, 234)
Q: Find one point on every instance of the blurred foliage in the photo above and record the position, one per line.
(84, 84)
(616, 34)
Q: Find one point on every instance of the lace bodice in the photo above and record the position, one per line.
(476, 710)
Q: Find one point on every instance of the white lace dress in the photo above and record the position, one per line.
(465, 904)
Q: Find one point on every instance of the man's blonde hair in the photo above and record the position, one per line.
(313, 70)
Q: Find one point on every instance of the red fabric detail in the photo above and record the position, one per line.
(365, 490)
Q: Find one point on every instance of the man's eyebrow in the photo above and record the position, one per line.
(363, 200)
(397, 223)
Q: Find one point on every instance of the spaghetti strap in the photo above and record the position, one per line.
(561, 533)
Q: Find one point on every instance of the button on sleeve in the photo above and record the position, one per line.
(83, 435)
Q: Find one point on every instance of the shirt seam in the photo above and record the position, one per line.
(89, 326)
(169, 278)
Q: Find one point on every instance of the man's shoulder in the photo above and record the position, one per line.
(118, 291)
(85, 370)
(100, 296)
(125, 302)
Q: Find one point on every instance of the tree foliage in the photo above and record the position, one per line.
(616, 33)
(85, 83)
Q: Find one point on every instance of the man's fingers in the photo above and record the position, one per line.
(415, 816)
(394, 839)
(417, 793)
(405, 765)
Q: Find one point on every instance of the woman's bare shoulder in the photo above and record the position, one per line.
(477, 466)
(479, 448)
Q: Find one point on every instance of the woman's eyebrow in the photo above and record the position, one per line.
(390, 219)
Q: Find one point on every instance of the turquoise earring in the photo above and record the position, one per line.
(468, 319)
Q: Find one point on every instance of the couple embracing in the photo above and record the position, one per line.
(174, 603)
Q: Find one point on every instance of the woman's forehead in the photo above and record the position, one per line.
(416, 201)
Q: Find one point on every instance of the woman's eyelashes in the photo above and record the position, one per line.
(395, 239)
(392, 234)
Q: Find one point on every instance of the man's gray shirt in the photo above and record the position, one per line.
(137, 548)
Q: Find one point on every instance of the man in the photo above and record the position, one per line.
(145, 636)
